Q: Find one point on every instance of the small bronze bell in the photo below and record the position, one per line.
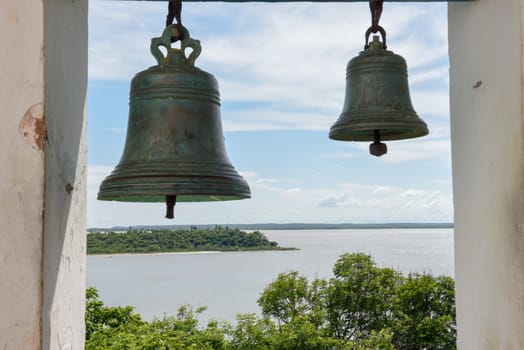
(377, 105)
(174, 150)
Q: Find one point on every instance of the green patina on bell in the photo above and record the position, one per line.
(174, 149)
(377, 105)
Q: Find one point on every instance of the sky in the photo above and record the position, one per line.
(281, 71)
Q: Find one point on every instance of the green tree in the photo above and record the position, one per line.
(360, 297)
(251, 333)
(301, 333)
(100, 317)
(363, 307)
(425, 313)
(285, 298)
(119, 328)
(291, 295)
(382, 340)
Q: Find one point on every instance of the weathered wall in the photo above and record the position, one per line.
(43, 72)
(21, 172)
(64, 259)
(485, 44)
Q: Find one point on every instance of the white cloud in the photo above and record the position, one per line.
(266, 118)
(383, 189)
(431, 102)
(282, 66)
(427, 75)
(275, 202)
(330, 201)
(285, 62)
(295, 189)
(423, 149)
(267, 181)
(391, 203)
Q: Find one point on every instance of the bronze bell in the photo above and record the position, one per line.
(377, 105)
(174, 149)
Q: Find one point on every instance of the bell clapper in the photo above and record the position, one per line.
(170, 206)
(377, 148)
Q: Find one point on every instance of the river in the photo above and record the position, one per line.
(230, 282)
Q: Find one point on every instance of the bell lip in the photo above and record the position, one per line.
(388, 134)
(348, 136)
(355, 131)
(393, 124)
(181, 197)
(187, 187)
(147, 193)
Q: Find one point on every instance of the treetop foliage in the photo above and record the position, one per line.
(362, 307)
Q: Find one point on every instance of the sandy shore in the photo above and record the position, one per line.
(161, 253)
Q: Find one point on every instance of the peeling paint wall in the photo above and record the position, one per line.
(21, 174)
(32, 126)
(485, 44)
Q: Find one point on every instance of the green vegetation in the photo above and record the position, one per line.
(363, 307)
(159, 241)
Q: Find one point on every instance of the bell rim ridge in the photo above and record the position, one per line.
(187, 186)
(361, 126)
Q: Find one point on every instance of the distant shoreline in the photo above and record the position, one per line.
(159, 253)
(289, 226)
(193, 252)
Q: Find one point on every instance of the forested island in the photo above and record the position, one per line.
(189, 240)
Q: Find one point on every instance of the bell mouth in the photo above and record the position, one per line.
(157, 198)
(186, 189)
(353, 133)
(191, 182)
(393, 125)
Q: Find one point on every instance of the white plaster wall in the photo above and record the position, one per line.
(21, 173)
(43, 89)
(485, 45)
(64, 260)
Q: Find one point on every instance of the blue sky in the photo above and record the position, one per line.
(281, 70)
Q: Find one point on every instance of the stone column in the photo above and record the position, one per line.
(64, 255)
(485, 45)
(43, 84)
(21, 172)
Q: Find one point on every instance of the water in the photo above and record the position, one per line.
(231, 282)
